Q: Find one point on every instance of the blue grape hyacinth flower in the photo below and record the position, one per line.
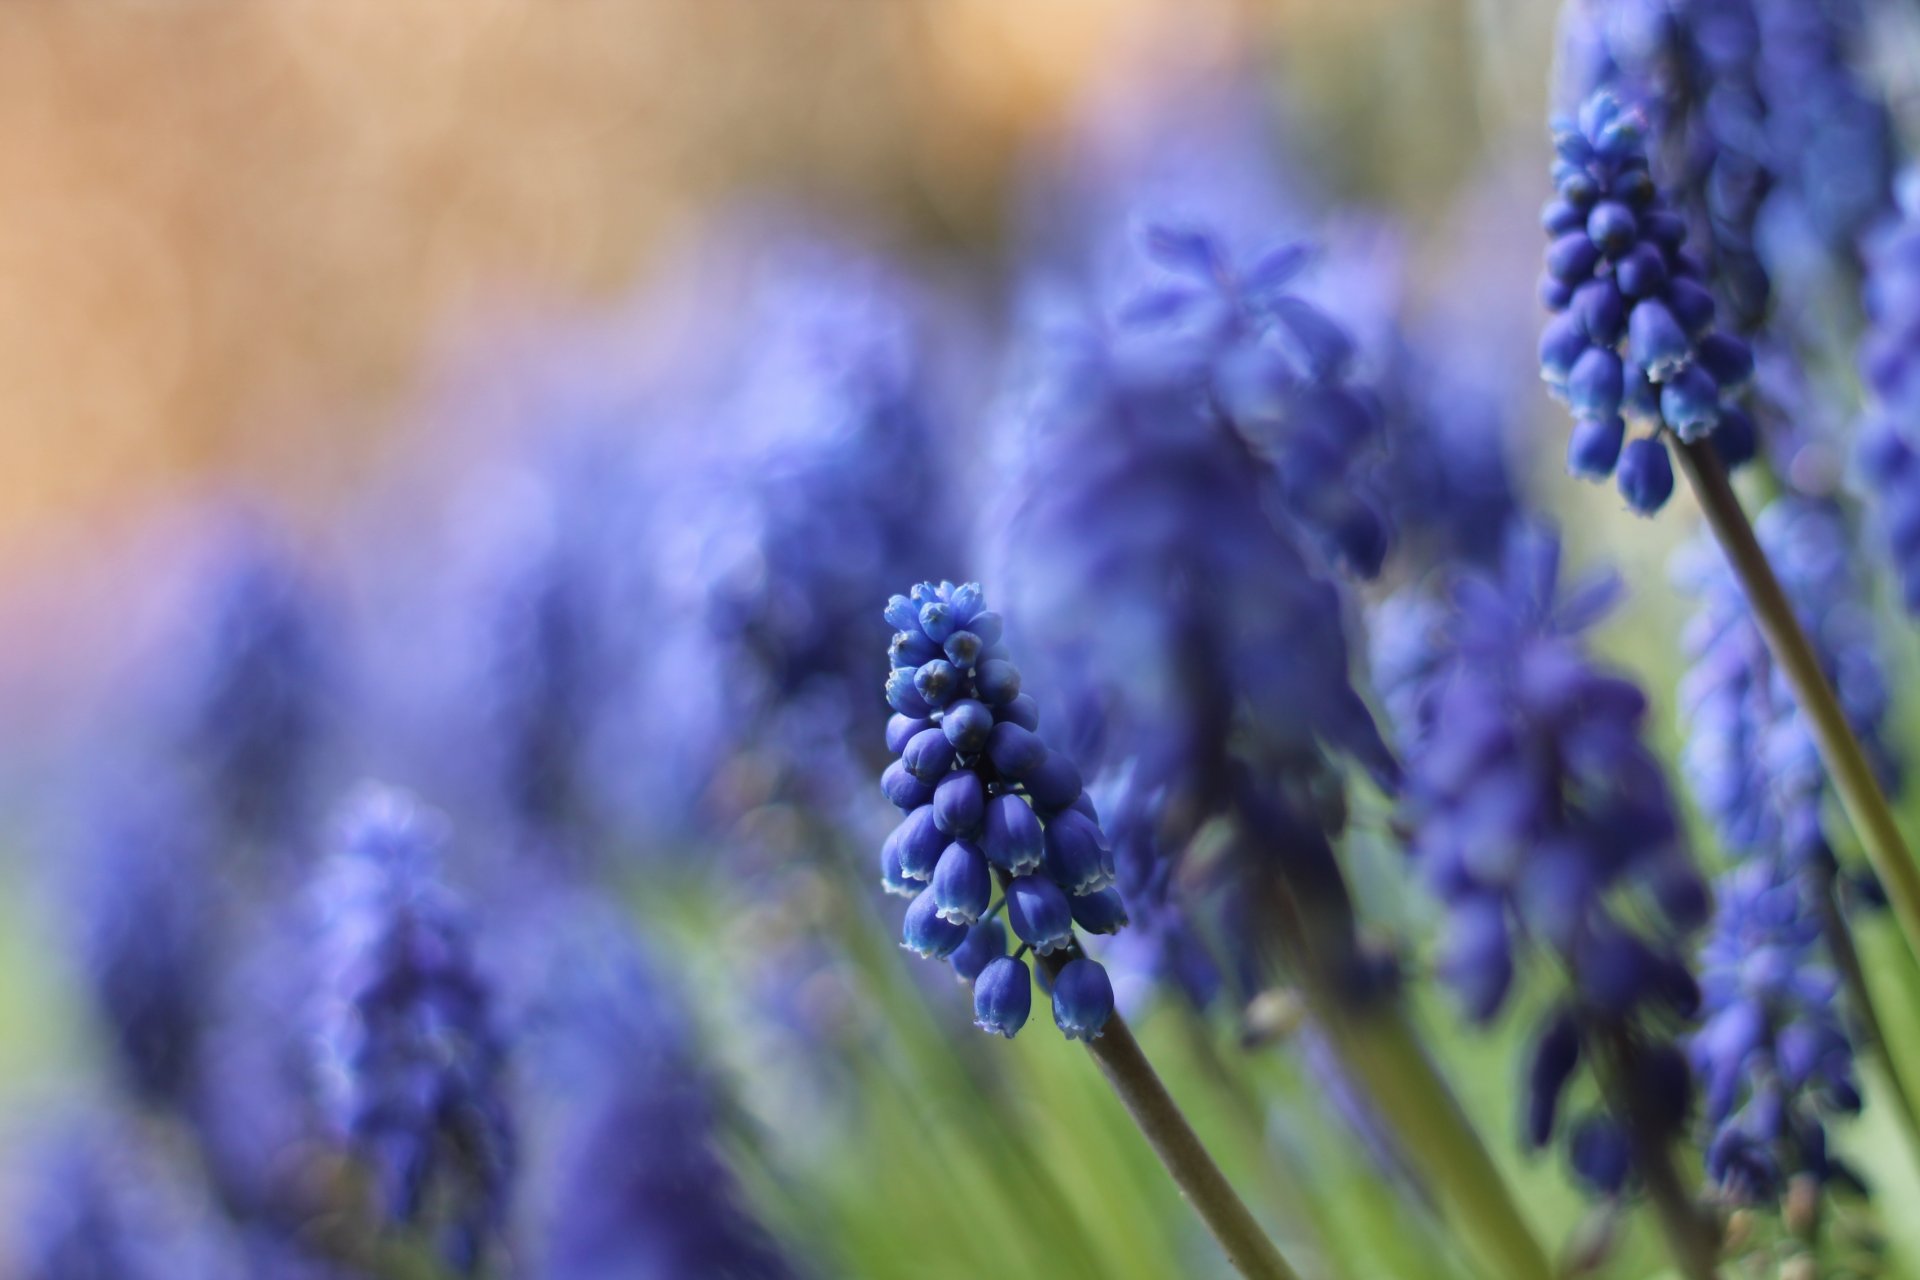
(988, 806)
(410, 1064)
(1632, 333)
(1773, 1055)
(1889, 435)
(1540, 817)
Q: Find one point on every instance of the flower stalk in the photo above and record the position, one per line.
(1840, 750)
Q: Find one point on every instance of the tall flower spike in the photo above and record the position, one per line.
(1889, 438)
(1773, 1055)
(1538, 811)
(988, 803)
(617, 1056)
(409, 1062)
(1632, 333)
(1750, 757)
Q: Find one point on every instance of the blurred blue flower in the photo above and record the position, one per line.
(628, 1178)
(1750, 756)
(410, 1065)
(1539, 815)
(1773, 1054)
(1889, 458)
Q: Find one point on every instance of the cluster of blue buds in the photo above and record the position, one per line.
(1773, 1055)
(988, 804)
(1633, 331)
(410, 1065)
(1889, 439)
(1539, 813)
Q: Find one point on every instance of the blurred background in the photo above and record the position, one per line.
(310, 303)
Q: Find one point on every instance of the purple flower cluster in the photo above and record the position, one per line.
(1889, 436)
(1633, 327)
(410, 1063)
(988, 803)
(1750, 756)
(1773, 1055)
(1538, 813)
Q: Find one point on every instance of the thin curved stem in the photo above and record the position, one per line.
(1846, 761)
(1187, 1161)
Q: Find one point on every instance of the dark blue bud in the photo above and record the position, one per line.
(1023, 711)
(1635, 187)
(1645, 475)
(1655, 340)
(928, 755)
(1082, 999)
(925, 933)
(903, 697)
(1735, 438)
(1003, 997)
(1561, 216)
(1594, 447)
(1602, 311)
(900, 731)
(1571, 258)
(892, 879)
(1614, 971)
(901, 787)
(1642, 273)
(999, 681)
(1727, 358)
(1594, 387)
(923, 593)
(1600, 1155)
(1076, 857)
(987, 626)
(1039, 913)
(959, 803)
(918, 842)
(1663, 1086)
(962, 883)
(1561, 343)
(986, 942)
(1577, 187)
(1054, 783)
(911, 648)
(1554, 295)
(1612, 228)
(937, 681)
(936, 619)
(1478, 960)
(1015, 752)
(1691, 305)
(966, 601)
(1690, 402)
(902, 614)
(1555, 1056)
(967, 724)
(963, 649)
(1014, 841)
(1102, 911)
(1085, 805)
(1665, 228)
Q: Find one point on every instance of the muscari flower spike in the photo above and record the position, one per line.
(1538, 811)
(988, 805)
(1889, 435)
(410, 1064)
(1773, 1054)
(1633, 327)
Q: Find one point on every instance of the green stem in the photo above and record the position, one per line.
(1853, 975)
(1847, 764)
(1166, 1130)
(1380, 1047)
